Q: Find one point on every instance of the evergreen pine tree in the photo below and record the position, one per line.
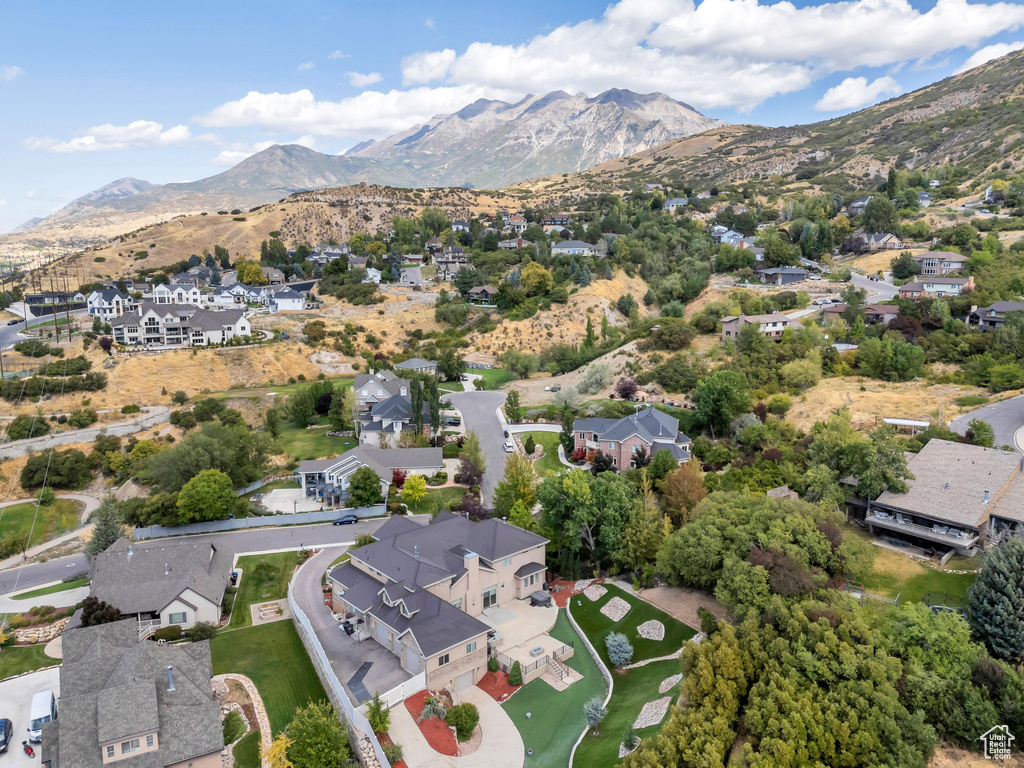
(996, 601)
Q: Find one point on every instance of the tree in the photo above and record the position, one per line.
(209, 495)
(626, 387)
(981, 433)
(471, 462)
(603, 462)
(415, 490)
(682, 491)
(643, 532)
(521, 517)
(594, 711)
(96, 611)
(464, 719)
(567, 437)
(515, 674)
(398, 477)
(364, 488)
(23, 426)
(513, 408)
(319, 740)
(590, 338)
(904, 266)
(720, 398)
(109, 527)
(880, 215)
(568, 397)
(450, 364)
(179, 397)
(272, 421)
(529, 445)
(620, 652)
(378, 715)
(996, 601)
(518, 486)
(536, 280)
(276, 755)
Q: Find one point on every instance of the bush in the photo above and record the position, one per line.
(515, 675)
(779, 405)
(378, 715)
(24, 426)
(46, 496)
(234, 728)
(82, 418)
(620, 652)
(392, 752)
(34, 348)
(179, 398)
(131, 408)
(463, 718)
(183, 419)
(172, 632)
(202, 631)
(493, 665)
(529, 445)
(228, 601)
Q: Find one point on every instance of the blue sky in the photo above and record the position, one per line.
(94, 92)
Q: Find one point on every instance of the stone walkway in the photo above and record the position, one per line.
(266, 736)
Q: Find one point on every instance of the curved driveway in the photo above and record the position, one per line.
(1006, 417)
(480, 414)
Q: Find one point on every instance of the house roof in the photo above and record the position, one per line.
(772, 318)
(109, 294)
(968, 471)
(416, 362)
(139, 578)
(650, 424)
(677, 201)
(381, 460)
(113, 686)
(286, 293)
(944, 255)
(483, 289)
(782, 271)
(918, 285)
(1001, 307)
(567, 244)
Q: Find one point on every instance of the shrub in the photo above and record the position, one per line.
(228, 601)
(529, 445)
(172, 632)
(131, 408)
(27, 426)
(515, 675)
(595, 711)
(493, 665)
(179, 398)
(432, 708)
(779, 405)
(463, 718)
(202, 631)
(378, 715)
(234, 728)
(392, 752)
(620, 652)
(184, 419)
(82, 418)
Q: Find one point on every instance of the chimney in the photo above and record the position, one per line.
(129, 551)
(947, 485)
(170, 678)
(474, 597)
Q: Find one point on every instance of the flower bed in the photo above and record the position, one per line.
(496, 685)
(384, 738)
(435, 730)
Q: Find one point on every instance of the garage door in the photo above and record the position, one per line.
(413, 662)
(464, 681)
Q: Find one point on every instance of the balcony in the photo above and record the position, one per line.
(959, 538)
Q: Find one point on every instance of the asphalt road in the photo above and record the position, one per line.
(877, 291)
(10, 334)
(479, 414)
(1005, 418)
(258, 540)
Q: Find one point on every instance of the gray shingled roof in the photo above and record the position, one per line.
(969, 471)
(113, 686)
(1002, 307)
(416, 362)
(142, 578)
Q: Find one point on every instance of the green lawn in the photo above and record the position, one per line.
(493, 378)
(301, 444)
(557, 719)
(271, 486)
(252, 591)
(62, 587)
(247, 751)
(274, 658)
(283, 389)
(549, 462)
(17, 661)
(437, 500)
(636, 687)
(60, 517)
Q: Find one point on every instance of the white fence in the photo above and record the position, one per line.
(402, 691)
(356, 720)
(263, 521)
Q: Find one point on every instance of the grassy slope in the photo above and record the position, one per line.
(247, 751)
(301, 444)
(251, 591)
(437, 499)
(16, 661)
(62, 587)
(17, 520)
(549, 462)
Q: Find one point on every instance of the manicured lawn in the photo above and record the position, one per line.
(437, 500)
(274, 658)
(493, 378)
(60, 517)
(63, 587)
(301, 444)
(17, 661)
(251, 590)
(272, 486)
(557, 716)
(635, 687)
(247, 751)
(450, 451)
(549, 462)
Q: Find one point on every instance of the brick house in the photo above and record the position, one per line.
(622, 438)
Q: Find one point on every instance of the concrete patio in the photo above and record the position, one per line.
(288, 501)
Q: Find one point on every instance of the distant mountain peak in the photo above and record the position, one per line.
(126, 187)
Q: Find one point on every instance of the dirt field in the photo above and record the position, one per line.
(953, 757)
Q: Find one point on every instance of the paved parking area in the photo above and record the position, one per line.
(15, 702)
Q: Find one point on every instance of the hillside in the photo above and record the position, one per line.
(972, 119)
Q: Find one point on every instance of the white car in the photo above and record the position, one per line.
(509, 446)
(814, 277)
(547, 389)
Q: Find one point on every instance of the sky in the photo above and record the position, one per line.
(93, 92)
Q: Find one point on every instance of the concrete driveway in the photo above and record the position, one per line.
(479, 414)
(411, 276)
(1006, 417)
(501, 745)
(16, 702)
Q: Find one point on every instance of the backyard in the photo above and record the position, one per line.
(301, 444)
(272, 487)
(436, 500)
(557, 716)
(253, 589)
(53, 519)
(549, 462)
(636, 687)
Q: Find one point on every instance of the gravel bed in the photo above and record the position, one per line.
(623, 751)
(579, 586)
(669, 683)
(595, 592)
(615, 609)
(652, 713)
(652, 630)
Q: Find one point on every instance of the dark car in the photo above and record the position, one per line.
(6, 731)
(346, 520)
(13, 322)
(506, 433)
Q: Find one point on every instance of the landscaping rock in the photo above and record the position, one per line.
(43, 633)
(615, 609)
(669, 683)
(579, 586)
(652, 713)
(595, 592)
(624, 750)
(652, 630)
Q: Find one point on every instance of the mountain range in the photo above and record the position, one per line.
(485, 144)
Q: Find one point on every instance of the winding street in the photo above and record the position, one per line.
(1006, 417)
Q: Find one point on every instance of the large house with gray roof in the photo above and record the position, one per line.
(962, 497)
(372, 388)
(418, 590)
(143, 704)
(327, 480)
(621, 439)
(108, 303)
(162, 583)
(179, 325)
(385, 422)
(993, 316)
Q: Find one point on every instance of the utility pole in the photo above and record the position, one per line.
(67, 308)
(56, 328)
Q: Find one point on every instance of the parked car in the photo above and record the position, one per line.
(6, 732)
(464, 377)
(509, 446)
(506, 432)
(814, 277)
(547, 389)
(556, 388)
(44, 709)
(346, 520)
(15, 321)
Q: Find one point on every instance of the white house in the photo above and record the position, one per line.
(182, 325)
(327, 480)
(176, 293)
(572, 248)
(460, 226)
(372, 275)
(108, 303)
(675, 204)
(283, 299)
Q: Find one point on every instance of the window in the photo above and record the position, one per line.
(177, 618)
(531, 579)
(442, 660)
(110, 751)
(506, 562)
(471, 647)
(149, 741)
(490, 597)
(127, 747)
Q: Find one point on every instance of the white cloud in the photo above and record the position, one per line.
(305, 65)
(856, 92)
(426, 66)
(360, 80)
(141, 133)
(10, 71)
(238, 151)
(339, 55)
(429, 23)
(2, 202)
(32, 194)
(988, 53)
